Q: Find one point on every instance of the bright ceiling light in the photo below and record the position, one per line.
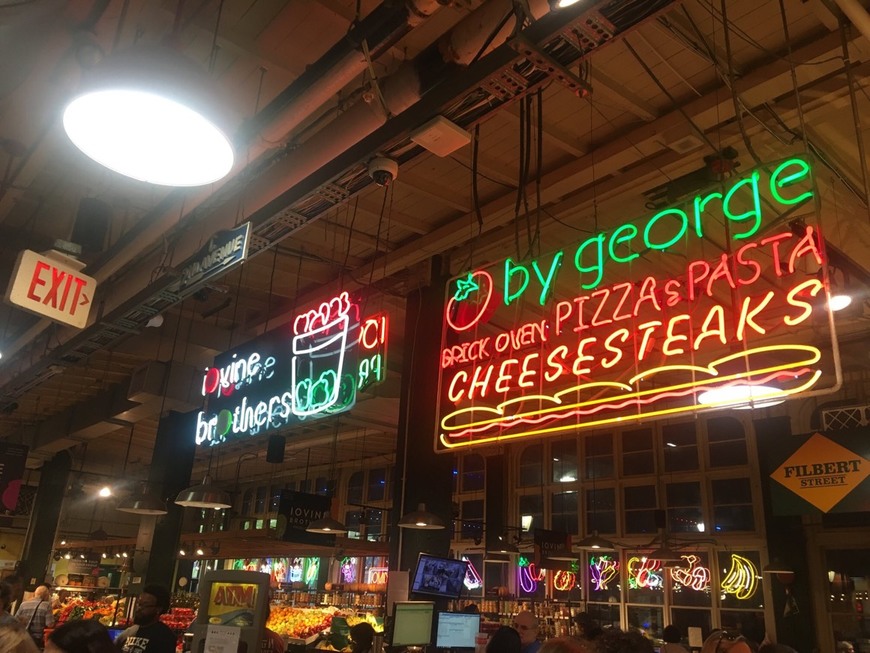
(105, 491)
(561, 4)
(839, 302)
(742, 397)
(148, 114)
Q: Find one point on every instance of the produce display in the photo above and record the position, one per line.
(105, 610)
(178, 619)
(299, 623)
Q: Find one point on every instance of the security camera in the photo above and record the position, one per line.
(383, 170)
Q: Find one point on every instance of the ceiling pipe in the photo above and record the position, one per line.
(380, 30)
(857, 14)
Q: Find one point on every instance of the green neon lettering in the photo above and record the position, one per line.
(545, 283)
(225, 422)
(616, 239)
(649, 225)
(700, 204)
(776, 184)
(510, 269)
(754, 213)
(598, 268)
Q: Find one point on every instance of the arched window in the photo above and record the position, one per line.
(531, 465)
(473, 473)
(247, 500)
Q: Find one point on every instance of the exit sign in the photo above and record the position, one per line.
(52, 286)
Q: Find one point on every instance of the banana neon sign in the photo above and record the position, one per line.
(741, 581)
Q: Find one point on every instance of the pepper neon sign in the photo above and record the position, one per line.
(280, 378)
(602, 570)
(653, 313)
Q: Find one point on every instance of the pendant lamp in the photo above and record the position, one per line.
(502, 545)
(204, 495)
(143, 503)
(326, 525)
(668, 557)
(421, 519)
(776, 566)
(150, 113)
(595, 541)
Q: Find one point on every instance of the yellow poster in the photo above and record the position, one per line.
(232, 604)
(822, 472)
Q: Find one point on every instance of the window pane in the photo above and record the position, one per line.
(323, 486)
(732, 505)
(604, 587)
(472, 519)
(684, 507)
(351, 520)
(646, 579)
(599, 456)
(473, 479)
(275, 492)
(355, 488)
(680, 445)
(689, 618)
(564, 461)
(377, 484)
(750, 624)
(650, 621)
(638, 454)
(531, 512)
(640, 506)
(531, 461)
(727, 442)
(247, 502)
(564, 512)
(690, 580)
(601, 510)
(262, 493)
(374, 520)
(740, 580)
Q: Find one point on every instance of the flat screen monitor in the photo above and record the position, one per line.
(436, 576)
(457, 630)
(412, 623)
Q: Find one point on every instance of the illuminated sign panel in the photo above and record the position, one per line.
(727, 289)
(313, 368)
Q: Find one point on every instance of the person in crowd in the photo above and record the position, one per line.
(587, 627)
(362, 635)
(567, 645)
(148, 634)
(17, 585)
(80, 636)
(720, 641)
(505, 640)
(844, 646)
(526, 624)
(36, 614)
(6, 618)
(771, 647)
(471, 608)
(14, 639)
(672, 638)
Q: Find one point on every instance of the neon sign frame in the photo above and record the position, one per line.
(647, 345)
(280, 379)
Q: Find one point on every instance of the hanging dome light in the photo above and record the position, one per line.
(421, 519)
(326, 525)
(595, 541)
(143, 503)
(149, 113)
(204, 495)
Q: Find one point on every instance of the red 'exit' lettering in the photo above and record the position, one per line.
(62, 290)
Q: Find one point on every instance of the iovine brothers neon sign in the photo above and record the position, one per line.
(726, 289)
(281, 378)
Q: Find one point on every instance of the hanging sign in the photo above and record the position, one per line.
(725, 290)
(222, 251)
(312, 368)
(300, 509)
(52, 285)
(553, 550)
(823, 473)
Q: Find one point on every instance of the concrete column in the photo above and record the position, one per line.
(53, 479)
(421, 475)
(171, 466)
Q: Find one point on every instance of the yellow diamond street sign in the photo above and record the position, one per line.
(822, 472)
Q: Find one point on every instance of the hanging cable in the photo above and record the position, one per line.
(794, 80)
(738, 111)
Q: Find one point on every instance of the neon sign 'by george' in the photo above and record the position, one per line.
(284, 377)
(727, 289)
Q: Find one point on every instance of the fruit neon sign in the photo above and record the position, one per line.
(564, 581)
(282, 378)
(741, 580)
(635, 323)
(694, 575)
(602, 570)
(645, 573)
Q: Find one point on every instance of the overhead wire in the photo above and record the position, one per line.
(738, 109)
